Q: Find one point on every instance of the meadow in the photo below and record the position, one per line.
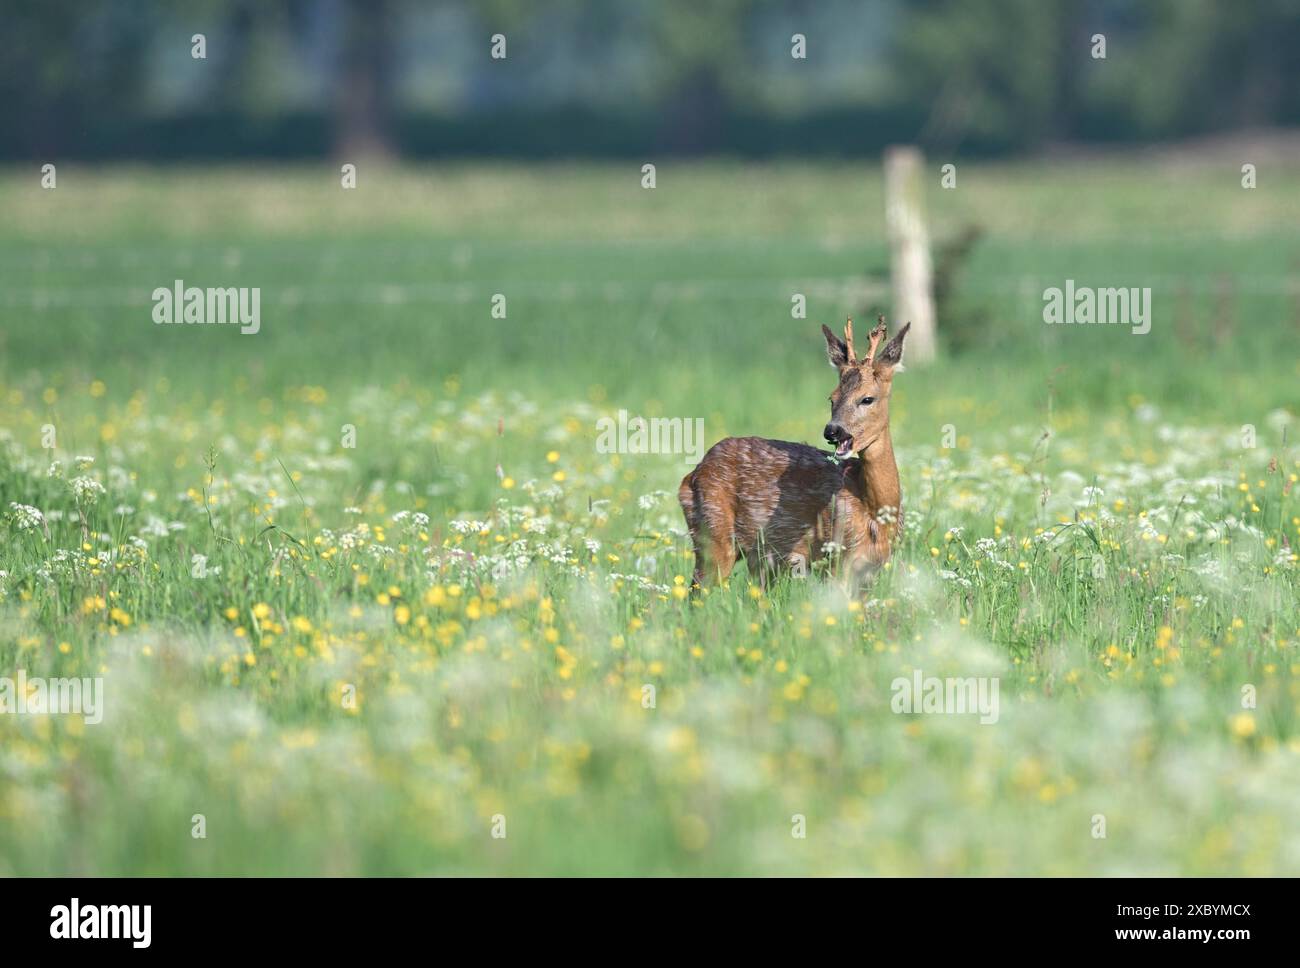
(366, 599)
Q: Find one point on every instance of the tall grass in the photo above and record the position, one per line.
(366, 659)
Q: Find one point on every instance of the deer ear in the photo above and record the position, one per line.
(837, 351)
(891, 354)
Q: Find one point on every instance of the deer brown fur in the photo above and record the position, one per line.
(784, 505)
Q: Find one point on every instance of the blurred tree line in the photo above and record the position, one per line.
(116, 78)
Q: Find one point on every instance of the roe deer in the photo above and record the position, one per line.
(780, 504)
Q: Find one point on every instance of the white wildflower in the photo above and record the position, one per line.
(461, 526)
(86, 490)
(26, 517)
(646, 501)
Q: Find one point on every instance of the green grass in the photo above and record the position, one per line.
(500, 669)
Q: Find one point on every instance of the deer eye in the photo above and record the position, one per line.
(866, 401)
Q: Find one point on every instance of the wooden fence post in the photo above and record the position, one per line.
(910, 268)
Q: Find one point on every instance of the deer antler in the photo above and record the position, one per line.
(876, 335)
(848, 338)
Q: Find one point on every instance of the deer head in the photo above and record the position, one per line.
(860, 404)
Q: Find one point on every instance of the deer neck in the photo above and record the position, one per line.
(875, 479)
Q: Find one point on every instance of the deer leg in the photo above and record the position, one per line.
(865, 566)
(715, 556)
(712, 531)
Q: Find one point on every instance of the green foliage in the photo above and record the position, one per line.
(290, 79)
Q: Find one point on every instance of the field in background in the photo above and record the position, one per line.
(498, 594)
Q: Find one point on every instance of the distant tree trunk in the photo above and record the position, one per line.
(1074, 40)
(230, 63)
(695, 112)
(362, 108)
(910, 268)
(1263, 78)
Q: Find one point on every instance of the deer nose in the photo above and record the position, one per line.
(833, 432)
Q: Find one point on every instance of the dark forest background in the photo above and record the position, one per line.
(115, 79)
